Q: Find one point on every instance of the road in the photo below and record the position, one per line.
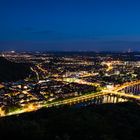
(79, 81)
(35, 71)
(127, 84)
(39, 66)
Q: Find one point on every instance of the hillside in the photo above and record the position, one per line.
(96, 122)
(10, 71)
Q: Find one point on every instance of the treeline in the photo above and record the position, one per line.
(10, 71)
(96, 122)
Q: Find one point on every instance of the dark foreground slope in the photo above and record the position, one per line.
(10, 71)
(103, 122)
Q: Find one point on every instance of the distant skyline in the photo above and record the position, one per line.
(70, 25)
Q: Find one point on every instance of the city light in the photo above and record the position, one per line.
(67, 81)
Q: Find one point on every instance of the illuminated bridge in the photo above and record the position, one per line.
(129, 87)
(94, 98)
(118, 94)
(97, 98)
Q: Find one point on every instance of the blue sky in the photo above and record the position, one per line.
(70, 25)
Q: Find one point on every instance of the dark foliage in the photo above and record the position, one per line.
(10, 71)
(96, 122)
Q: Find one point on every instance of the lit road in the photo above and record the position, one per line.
(88, 75)
(109, 67)
(38, 69)
(42, 69)
(127, 84)
(37, 75)
(79, 81)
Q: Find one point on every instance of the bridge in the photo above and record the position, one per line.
(118, 94)
(96, 98)
(128, 86)
(105, 96)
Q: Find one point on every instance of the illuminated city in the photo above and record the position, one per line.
(57, 79)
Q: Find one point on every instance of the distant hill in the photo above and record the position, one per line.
(96, 122)
(10, 71)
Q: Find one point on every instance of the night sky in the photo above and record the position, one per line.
(70, 25)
